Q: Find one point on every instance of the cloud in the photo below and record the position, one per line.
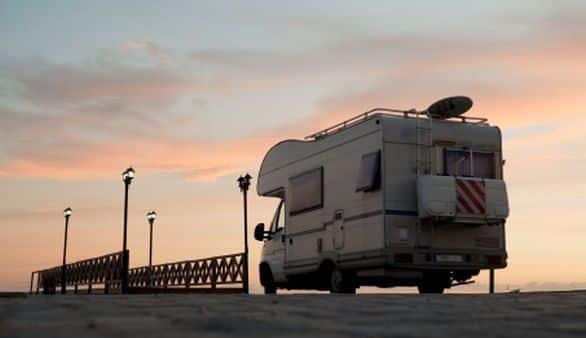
(75, 121)
(92, 119)
(194, 160)
(65, 86)
(531, 73)
(150, 48)
(209, 173)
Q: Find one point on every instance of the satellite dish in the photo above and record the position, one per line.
(450, 107)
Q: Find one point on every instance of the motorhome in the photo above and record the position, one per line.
(387, 198)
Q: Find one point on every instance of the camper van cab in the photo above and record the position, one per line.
(388, 198)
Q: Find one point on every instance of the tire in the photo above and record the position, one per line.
(267, 281)
(427, 288)
(341, 282)
(433, 283)
(270, 289)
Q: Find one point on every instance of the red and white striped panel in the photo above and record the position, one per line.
(471, 197)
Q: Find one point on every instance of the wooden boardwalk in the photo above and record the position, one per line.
(561, 314)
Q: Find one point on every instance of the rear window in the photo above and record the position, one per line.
(483, 165)
(457, 163)
(469, 163)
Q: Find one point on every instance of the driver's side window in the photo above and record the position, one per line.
(278, 222)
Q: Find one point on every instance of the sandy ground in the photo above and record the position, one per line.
(561, 314)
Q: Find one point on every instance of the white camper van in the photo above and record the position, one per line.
(388, 198)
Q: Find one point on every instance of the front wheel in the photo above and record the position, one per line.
(267, 280)
(270, 289)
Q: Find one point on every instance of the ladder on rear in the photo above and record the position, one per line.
(424, 143)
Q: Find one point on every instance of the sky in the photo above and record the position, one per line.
(193, 93)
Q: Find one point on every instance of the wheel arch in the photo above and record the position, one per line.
(327, 264)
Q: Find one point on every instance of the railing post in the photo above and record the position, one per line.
(213, 274)
(46, 287)
(188, 274)
(166, 280)
(31, 288)
(46, 283)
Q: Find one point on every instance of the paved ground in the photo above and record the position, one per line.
(504, 315)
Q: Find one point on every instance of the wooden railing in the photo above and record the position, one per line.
(107, 271)
(213, 274)
(221, 274)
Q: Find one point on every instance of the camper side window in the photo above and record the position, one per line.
(369, 174)
(305, 192)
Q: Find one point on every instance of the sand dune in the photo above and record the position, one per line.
(561, 314)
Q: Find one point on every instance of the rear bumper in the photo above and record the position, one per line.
(420, 259)
(408, 268)
(436, 259)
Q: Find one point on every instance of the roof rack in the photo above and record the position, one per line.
(412, 113)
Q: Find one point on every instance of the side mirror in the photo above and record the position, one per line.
(259, 232)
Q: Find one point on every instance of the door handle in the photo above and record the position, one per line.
(290, 241)
(282, 238)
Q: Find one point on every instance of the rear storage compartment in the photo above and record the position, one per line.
(467, 217)
(462, 199)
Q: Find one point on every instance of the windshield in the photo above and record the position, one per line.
(278, 222)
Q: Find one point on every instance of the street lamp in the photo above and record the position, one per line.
(127, 177)
(66, 213)
(151, 217)
(491, 281)
(243, 184)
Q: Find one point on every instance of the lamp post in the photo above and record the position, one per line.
(151, 217)
(127, 177)
(491, 281)
(243, 184)
(66, 213)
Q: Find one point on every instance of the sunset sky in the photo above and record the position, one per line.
(193, 93)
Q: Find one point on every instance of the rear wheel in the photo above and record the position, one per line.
(430, 288)
(341, 282)
(434, 282)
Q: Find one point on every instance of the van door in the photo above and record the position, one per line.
(275, 246)
(339, 229)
